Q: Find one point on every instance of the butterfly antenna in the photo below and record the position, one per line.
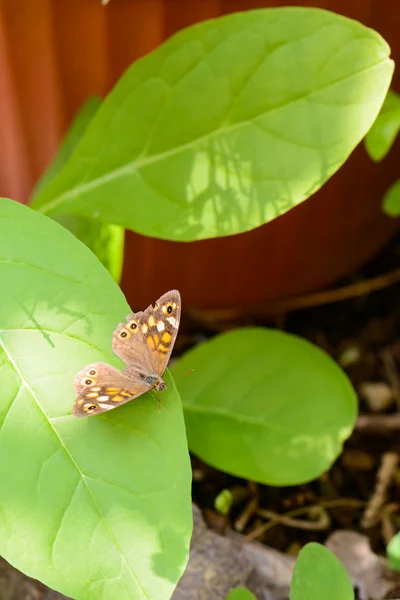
(184, 373)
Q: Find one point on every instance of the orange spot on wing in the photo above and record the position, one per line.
(150, 342)
(166, 337)
(162, 349)
(118, 398)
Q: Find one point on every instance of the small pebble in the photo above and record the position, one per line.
(377, 395)
(351, 355)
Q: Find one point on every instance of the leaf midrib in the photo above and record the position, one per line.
(143, 162)
(71, 458)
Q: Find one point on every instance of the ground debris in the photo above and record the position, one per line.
(368, 572)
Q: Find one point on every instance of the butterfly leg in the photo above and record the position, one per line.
(157, 395)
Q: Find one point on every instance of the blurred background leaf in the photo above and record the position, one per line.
(240, 593)
(383, 132)
(393, 552)
(265, 405)
(319, 574)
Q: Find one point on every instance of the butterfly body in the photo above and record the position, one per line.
(144, 343)
(156, 382)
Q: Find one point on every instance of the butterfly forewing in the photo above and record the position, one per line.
(146, 339)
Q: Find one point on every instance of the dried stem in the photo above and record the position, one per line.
(372, 513)
(250, 508)
(378, 424)
(391, 373)
(275, 307)
(278, 519)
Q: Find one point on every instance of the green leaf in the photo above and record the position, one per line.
(393, 552)
(319, 574)
(391, 200)
(383, 132)
(240, 593)
(265, 405)
(88, 506)
(105, 240)
(227, 125)
(223, 502)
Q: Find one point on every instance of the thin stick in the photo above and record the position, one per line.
(353, 290)
(300, 511)
(378, 424)
(392, 373)
(250, 507)
(346, 292)
(320, 524)
(372, 513)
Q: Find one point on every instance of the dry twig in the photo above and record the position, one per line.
(275, 307)
(378, 424)
(250, 507)
(287, 517)
(372, 513)
(392, 373)
(388, 527)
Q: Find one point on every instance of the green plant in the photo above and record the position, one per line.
(378, 142)
(100, 508)
(393, 552)
(240, 593)
(265, 405)
(177, 150)
(82, 500)
(317, 574)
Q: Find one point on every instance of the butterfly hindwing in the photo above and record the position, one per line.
(101, 387)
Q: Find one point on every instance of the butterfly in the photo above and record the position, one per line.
(144, 343)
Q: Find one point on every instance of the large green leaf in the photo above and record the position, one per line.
(265, 405)
(383, 132)
(105, 240)
(318, 574)
(227, 125)
(88, 506)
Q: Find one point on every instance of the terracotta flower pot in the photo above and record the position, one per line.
(56, 53)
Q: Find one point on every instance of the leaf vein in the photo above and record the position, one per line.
(132, 167)
(69, 455)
